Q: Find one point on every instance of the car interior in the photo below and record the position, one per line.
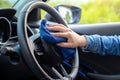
(25, 56)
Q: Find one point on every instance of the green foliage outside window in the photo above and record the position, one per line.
(5, 4)
(95, 11)
(101, 11)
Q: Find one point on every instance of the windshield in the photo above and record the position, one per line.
(7, 3)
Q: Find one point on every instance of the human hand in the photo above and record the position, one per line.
(73, 39)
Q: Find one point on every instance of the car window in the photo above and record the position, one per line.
(94, 11)
(7, 3)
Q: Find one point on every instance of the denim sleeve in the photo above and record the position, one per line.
(103, 44)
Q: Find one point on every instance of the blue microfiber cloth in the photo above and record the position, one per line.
(45, 35)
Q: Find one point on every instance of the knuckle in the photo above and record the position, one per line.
(69, 33)
(69, 29)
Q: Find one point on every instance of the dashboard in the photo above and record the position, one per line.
(5, 29)
(8, 28)
(11, 63)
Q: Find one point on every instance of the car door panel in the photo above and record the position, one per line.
(102, 64)
(100, 28)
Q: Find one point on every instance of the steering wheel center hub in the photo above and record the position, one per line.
(52, 54)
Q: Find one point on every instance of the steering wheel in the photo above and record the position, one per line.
(33, 48)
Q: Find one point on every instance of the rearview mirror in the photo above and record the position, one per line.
(71, 14)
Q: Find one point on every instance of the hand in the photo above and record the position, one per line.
(73, 39)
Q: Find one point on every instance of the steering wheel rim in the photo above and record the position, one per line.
(26, 44)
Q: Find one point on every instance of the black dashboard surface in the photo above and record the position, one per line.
(7, 12)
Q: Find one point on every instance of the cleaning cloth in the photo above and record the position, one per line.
(45, 35)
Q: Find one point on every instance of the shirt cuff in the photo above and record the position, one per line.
(90, 43)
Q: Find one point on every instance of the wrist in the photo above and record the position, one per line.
(83, 41)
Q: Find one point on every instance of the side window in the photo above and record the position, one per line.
(94, 11)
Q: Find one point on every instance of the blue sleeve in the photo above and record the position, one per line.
(103, 44)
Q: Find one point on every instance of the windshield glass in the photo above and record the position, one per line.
(7, 3)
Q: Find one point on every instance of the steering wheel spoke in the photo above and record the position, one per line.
(63, 70)
(57, 73)
(64, 75)
(36, 44)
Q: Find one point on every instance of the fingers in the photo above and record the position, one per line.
(64, 32)
(61, 34)
(58, 27)
(65, 44)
